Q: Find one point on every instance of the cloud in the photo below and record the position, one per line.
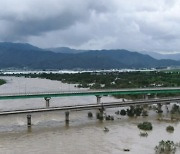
(90, 24)
(35, 17)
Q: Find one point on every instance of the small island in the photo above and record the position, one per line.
(2, 82)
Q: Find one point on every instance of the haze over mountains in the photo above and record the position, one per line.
(20, 55)
(175, 56)
(65, 50)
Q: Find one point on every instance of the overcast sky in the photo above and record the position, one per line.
(137, 25)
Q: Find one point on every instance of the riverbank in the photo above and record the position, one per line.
(112, 80)
(115, 80)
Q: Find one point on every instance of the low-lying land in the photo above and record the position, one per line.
(116, 80)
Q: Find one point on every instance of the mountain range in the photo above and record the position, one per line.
(23, 55)
(172, 56)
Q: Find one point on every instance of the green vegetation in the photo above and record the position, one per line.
(117, 80)
(108, 117)
(175, 109)
(170, 128)
(165, 147)
(99, 116)
(123, 112)
(2, 82)
(105, 80)
(134, 111)
(175, 112)
(90, 115)
(145, 126)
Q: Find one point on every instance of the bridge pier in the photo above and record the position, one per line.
(98, 99)
(146, 96)
(167, 108)
(155, 96)
(100, 113)
(29, 120)
(47, 99)
(67, 117)
(159, 108)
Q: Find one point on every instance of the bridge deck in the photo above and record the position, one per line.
(92, 106)
(91, 92)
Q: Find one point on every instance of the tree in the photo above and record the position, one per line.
(165, 147)
(123, 112)
(145, 126)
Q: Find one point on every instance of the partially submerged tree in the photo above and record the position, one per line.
(165, 147)
(170, 128)
(145, 126)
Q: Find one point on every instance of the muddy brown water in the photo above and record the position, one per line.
(50, 135)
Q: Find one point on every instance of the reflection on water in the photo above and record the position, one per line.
(50, 135)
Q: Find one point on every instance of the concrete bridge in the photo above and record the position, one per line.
(94, 106)
(100, 107)
(91, 92)
(98, 93)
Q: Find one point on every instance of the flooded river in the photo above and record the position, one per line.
(50, 135)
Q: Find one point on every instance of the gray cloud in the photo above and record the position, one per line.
(33, 18)
(133, 24)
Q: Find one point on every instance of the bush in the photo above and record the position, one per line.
(99, 116)
(138, 111)
(145, 126)
(133, 111)
(175, 109)
(2, 81)
(90, 115)
(143, 134)
(130, 112)
(108, 117)
(123, 112)
(170, 128)
(165, 147)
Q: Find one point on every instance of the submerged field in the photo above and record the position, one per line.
(116, 80)
(104, 80)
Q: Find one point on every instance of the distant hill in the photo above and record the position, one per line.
(18, 55)
(155, 55)
(64, 50)
(8, 46)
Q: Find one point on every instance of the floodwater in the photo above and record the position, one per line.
(50, 135)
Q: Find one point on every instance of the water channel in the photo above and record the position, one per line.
(50, 135)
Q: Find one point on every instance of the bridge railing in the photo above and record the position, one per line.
(96, 92)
